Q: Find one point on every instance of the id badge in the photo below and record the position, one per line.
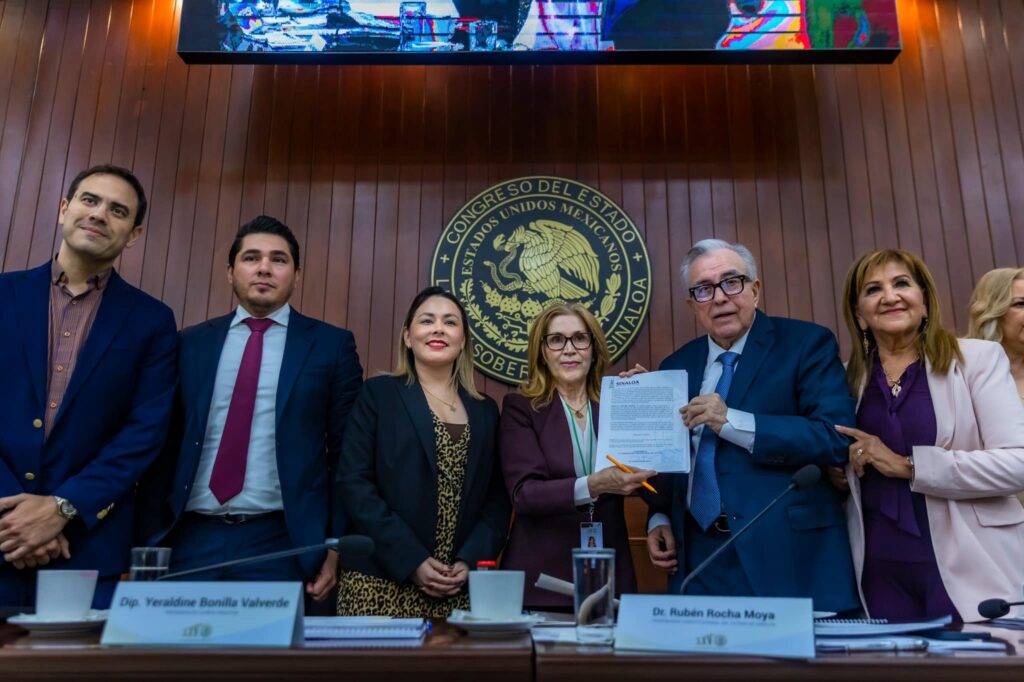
(592, 535)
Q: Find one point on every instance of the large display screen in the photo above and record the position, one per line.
(538, 31)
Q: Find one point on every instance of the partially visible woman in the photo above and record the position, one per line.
(548, 451)
(938, 452)
(419, 472)
(997, 314)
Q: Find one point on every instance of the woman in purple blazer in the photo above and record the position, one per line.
(548, 441)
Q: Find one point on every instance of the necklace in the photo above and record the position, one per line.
(578, 411)
(894, 384)
(450, 406)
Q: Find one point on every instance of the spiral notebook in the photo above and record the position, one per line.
(840, 627)
(364, 627)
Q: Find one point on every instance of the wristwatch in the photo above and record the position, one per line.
(65, 508)
(910, 463)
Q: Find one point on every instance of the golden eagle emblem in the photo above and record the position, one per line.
(550, 251)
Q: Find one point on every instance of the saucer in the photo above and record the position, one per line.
(40, 626)
(485, 627)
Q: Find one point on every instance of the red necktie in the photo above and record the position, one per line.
(229, 468)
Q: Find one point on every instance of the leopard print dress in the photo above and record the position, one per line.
(366, 595)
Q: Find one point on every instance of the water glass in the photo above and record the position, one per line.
(593, 578)
(149, 563)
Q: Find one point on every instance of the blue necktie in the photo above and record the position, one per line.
(705, 498)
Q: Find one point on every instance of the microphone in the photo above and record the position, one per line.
(805, 477)
(996, 608)
(349, 545)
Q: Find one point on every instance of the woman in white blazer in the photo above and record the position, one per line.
(938, 454)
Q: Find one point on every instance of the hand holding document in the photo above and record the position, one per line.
(640, 424)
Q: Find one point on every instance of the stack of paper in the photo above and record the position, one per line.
(361, 631)
(863, 628)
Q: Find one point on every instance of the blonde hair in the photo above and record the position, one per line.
(462, 369)
(990, 301)
(934, 342)
(540, 385)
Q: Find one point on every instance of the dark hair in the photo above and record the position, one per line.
(264, 224)
(462, 372)
(117, 171)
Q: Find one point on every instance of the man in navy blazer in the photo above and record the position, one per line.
(87, 390)
(771, 389)
(260, 415)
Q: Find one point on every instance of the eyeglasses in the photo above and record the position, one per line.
(730, 286)
(580, 341)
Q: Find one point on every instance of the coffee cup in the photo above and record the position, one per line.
(496, 595)
(64, 595)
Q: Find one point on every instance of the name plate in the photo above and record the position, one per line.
(205, 614)
(719, 625)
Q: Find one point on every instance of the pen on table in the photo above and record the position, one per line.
(622, 467)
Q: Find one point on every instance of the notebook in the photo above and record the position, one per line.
(837, 627)
(363, 627)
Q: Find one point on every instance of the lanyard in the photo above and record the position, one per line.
(586, 465)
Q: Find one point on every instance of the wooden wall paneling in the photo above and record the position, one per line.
(876, 154)
(823, 289)
(160, 160)
(432, 217)
(32, 157)
(632, 87)
(202, 262)
(129, 110)
(950, 199)
(301, 141)
(829, 146)
(723, 193)
(655, 199)
(1007, 120)
(68, 137)
(227, 214)
(768, 253)
(186, 222)
(340, 255)
(965, 141)
(281, 110)
(12, 16)
(923, 161)
(364, 218)
(409, 277)
(680, 232)
(908, 227)
(257, 152)
(1011, 28)
(21, 31)
(977, 57)
(698, 152)
(794, 231)
(858, 184)
(385, 243)
(316, 252)
(112, 80)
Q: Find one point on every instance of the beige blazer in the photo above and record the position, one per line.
(970, 478)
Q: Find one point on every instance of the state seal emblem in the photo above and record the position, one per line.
(525, 243)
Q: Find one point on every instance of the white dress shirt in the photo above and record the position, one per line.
(739, 426)
(261, 491)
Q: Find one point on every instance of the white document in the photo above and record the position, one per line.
(640, 424)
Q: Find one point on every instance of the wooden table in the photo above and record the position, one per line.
(572, 663)
(445, 655)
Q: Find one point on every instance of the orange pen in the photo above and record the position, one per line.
(622, 467)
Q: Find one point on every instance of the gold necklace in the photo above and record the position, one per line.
(894, 384)
(578, 411)
(451, 406)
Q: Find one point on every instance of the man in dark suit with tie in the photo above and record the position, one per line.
(768, 393)
(87, 389)
(261, 409)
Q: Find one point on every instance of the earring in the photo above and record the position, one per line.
(924, 325)
(864, 341)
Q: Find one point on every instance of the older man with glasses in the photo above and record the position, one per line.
(767, 392)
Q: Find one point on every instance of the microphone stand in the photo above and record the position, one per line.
(734, 537)
(331, 543)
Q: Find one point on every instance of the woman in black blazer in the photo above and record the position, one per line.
(419, 472)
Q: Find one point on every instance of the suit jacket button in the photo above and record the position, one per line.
(29, 476)
(38, 423)
(101, 514)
